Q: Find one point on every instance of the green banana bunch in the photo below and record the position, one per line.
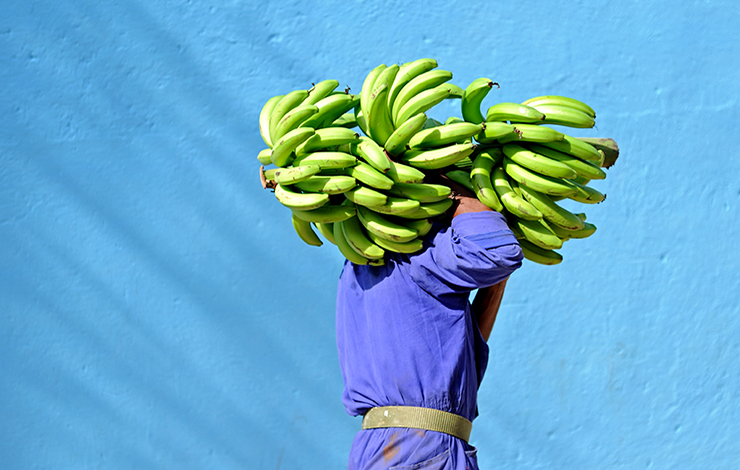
(351, 167)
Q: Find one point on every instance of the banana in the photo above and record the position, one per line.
(398, 140)
(282, 152)
(514, 112)
(326, 159)
(539, 255)
(494, 131)
(425, 81)
(565, 234)
(551, 211)
(539, 233)
(455, 92)
(336, 184)
(326, 214)
(396, 206)
(407, 72)
(360, 118)
(293, 174)
(422, 192)
(472, 99)
(373, 154)
(299, 201)
(587, 194)
(264, 156)
(368, 86)
(364, 196)
(538, 182)
(320, 90)
(370, 176)
(437, 158)
(578, 149)
(480, 177)
(264, 119)
(331, 108)
(538, 162)
(409, 247)
(453, 120)
(421, 103)
(565, 116)
(377, 116)
(293, 119)
(381, 227)
(608, 147)
(510, 199)
(305, 231)
(327, 230)
(348, 120)
(547, 100)
(327, 137)
(359, 241)
(444, 135)
(532, 133)
(344, 247)
(428, 210)
(582, 168)
(401, 173)
(422, 226)
(462, 178)
(286, 103)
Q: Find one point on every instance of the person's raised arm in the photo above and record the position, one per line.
(485, 307)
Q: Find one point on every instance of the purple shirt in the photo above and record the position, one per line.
(405, 333)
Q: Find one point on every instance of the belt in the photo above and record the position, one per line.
(418, 418)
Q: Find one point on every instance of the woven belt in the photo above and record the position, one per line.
(418, 418)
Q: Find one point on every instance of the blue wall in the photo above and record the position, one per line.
(157, 311)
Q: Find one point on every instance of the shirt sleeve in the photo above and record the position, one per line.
(478, 250)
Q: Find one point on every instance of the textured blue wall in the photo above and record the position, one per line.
(157, 310)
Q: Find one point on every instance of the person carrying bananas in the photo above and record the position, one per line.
(412, 349)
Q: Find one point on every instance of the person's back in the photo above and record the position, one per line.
(406, 336)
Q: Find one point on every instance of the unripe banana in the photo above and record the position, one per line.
(587, 194)
(532, 133)
(565, 116)
(401, 173)
(282, 152)
(422, 192)
(539, 233)
(364, 196)
(480, 177)
(455, 91)
(344, 247)
(495, 131)
(299, 201)
(327, 137)
(326, 214)
(407, 248)
(472, 99)
(510, 199)
(444, 135)
(370, 176)
(397, 142)
(539, 255)
(336, 184)
(437, 158)
(578, 149)
(461, 177)
(320, 91)
(421, 103)
(348, 120)
(538, 162)
(428, 210)
(367, 89)
(396, 206)
(293, 174)
(373, 154)
(425, 81)
(331, 108)
(264, 156)
(326, 160)
(585, 232)
(422, 226)
(293, 119)
(538, 182)
(375, 223)
(377, 116)
(327, 230)
(264, 119)
(407, 72)
(561, 101)
(286, 103)
(514, 112)
(305, 231)
(359, 241)
(551, 211)
(582, 168)
(608, 147)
